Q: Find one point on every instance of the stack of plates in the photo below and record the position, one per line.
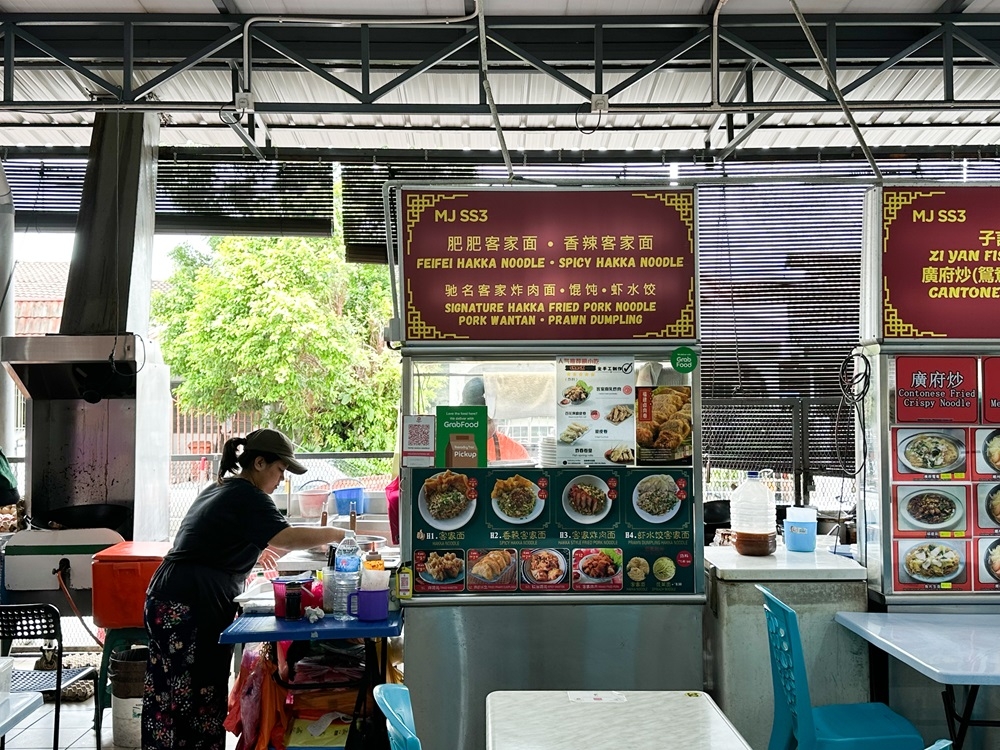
(547, 451)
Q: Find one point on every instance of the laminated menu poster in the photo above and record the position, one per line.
(931, 510)
(546, 531)
(930, 453)
(595, 411)
(932, 565)
(663, 425)
(461, 436)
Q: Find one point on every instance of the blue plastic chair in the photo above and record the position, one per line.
(394, 700)
(845, 726)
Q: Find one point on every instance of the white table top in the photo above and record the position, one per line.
(16, 708)
(819, 565)
(952, 649)
(639, 720)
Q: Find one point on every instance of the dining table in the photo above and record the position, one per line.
(636, 719)
(16, 707)
(950, 649)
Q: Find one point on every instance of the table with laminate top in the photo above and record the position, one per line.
(951, 649)
(16, 708)
(638, 720)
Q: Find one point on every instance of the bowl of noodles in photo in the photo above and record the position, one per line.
(991, 559)
(991, 450)
(932, 562)
(932, 452)
(992, 502)
(655, 498)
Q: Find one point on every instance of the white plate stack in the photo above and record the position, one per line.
(547, 451)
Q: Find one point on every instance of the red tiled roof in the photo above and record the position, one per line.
(41, 280)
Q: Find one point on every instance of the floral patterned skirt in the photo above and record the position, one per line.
(187, 681)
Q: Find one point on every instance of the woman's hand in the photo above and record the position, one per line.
(268, 559)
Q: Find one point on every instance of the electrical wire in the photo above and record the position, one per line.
(579, 127)
(855, 381)
(62, 584)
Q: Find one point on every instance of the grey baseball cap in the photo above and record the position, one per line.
(272, 441)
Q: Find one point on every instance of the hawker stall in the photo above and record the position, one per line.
(550, 497)
(929, 381)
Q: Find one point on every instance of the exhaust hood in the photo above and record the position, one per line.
(60, 366)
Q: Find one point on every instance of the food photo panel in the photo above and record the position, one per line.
(597, 569)
(987, 564)
(923, 510)
(988, 508)
(987, 447)
(663, 425)
(586, 502)
(929, 453)
(932, 564)
(517, 500)
(446, 501)
(491, 570)
(658, 500)
(545, 569)
(439, 571)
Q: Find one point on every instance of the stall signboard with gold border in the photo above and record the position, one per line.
(940, 262)
(551, 265)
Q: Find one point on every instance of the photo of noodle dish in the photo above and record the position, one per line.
(444, 501)
(515, 500)
(931, 508)
(585, 499)
(991, 560)
(544, 566)
(655, 498)
(991, 450)
(932, 562)
(991, 501)
(931, 452)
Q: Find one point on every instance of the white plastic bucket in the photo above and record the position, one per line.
(126, 721)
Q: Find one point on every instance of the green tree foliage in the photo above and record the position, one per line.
(287, 327)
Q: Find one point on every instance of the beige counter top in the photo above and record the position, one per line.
(728, 565)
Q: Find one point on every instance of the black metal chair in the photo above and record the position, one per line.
(41, 621)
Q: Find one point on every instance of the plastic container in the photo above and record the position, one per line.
(800, 529)
(754, 518)
(311, 502)
(346, 574)
(280, 585)
(347, 495)
(121, 575)
(6, 670)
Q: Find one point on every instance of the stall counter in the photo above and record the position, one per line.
(816, 585)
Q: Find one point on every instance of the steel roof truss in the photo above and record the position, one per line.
(894, 60)
(189, 62)
(424, 66)
(659, 62)
(539, 64)
(312, 67)
(778, 67)
(67, 61)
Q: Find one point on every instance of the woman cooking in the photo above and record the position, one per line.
(190, 598)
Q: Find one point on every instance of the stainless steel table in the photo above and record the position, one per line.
(951, 649)
(638, 720)
(17, 708)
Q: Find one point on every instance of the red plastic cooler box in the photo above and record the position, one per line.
(121, 575)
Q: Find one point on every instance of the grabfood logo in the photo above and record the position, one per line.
(472, 424)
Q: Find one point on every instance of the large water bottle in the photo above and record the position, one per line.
(753, 517)
(346, 574)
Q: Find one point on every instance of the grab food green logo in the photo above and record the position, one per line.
(684, 359)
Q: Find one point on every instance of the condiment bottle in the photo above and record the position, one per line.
(374, 561)
(322, 519)
(354, 516)
(753, 517)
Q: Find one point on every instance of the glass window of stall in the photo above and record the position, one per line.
(522, 401)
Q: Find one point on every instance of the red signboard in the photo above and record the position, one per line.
(991, 390)
(548, 265)
(937, 389)
(940, 262)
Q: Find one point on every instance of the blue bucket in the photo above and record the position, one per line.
(800, 536)
(348, 495)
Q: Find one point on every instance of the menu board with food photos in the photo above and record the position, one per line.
(549, 531)
(945, 489)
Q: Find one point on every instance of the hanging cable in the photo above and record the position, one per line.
(489, 91)
(855, 381)
(62, 585)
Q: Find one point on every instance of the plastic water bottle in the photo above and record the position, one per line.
(753, 517)
(346, 574)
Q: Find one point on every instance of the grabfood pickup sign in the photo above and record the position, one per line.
(552, 265)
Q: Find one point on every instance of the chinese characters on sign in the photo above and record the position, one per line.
(940, 262)
(937, 389)
(549, 265)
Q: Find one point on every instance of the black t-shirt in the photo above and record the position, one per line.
(219, 541)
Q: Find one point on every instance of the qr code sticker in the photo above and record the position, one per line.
(418, 436)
